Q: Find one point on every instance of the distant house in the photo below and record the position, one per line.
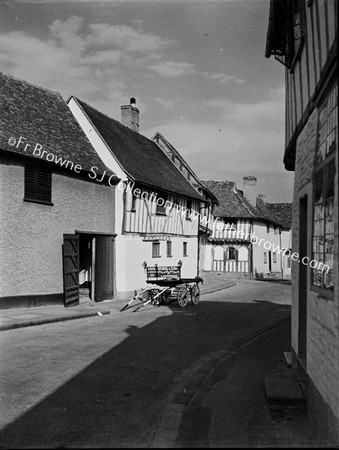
(206, 210)
(250, 237)
(155, 203)
(56, 219)
(303, 36)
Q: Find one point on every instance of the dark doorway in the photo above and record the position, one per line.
(104, 248)
(85, 265)
(88, 261)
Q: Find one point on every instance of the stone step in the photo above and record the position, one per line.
(284, 395)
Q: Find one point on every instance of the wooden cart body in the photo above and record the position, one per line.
(165, 285)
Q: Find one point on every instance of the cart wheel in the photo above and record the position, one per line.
(195, 294)
(165, 298)
(182, 297)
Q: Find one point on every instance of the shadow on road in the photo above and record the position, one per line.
(118, 400)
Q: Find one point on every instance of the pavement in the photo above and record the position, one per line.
(25, 317)
(249, 399)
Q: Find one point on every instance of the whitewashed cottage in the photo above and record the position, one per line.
(155, 203)
(56, 220)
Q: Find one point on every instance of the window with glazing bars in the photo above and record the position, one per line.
(324, 193)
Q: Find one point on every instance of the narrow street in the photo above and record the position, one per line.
(111, 381)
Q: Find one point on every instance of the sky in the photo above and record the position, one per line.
(196, 68)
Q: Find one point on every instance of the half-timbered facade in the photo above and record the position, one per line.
(157, 208)
(303, 36)
(55, 222)
(248, 239)
(206, 210)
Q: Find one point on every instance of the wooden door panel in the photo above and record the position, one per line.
(70, 251)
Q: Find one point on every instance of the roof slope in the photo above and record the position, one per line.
(42, 117)
(173, 151)
(233, 204)
(283, 213)
(141, 158)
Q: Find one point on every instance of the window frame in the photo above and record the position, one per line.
(234, 253)
(185, 249)
(169, 249)
(156, 249)
(321, 170)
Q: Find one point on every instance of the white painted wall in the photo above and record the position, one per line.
(268, 241)
(132, 276)
(31, 234)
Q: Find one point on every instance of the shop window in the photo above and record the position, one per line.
(265, 257)
(274, 257)
(323, 198)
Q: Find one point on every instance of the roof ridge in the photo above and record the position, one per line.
(32, 85)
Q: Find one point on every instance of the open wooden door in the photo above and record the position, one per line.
(104, 288)
(70, 251)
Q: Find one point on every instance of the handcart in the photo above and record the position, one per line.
(165, 285)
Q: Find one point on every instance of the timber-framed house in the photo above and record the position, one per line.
(206, 218)
(157, 208)
(302, 35)
(251, 238)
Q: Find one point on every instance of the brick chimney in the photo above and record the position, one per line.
(130, 115)
(250, 189)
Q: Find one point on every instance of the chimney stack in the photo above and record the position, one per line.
(250, 189)
(130, 115)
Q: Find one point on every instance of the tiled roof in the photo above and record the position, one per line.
(282, 212)
(232, 204)
(140, 158)
(42, 117)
